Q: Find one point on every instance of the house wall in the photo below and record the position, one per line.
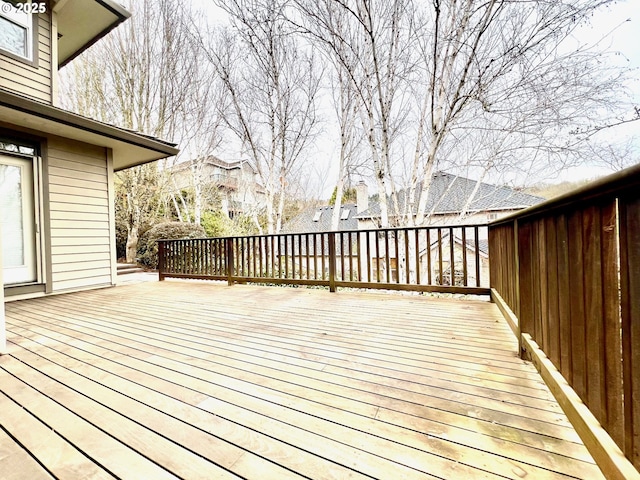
(457, 258)
(32, 80)
(81, 221)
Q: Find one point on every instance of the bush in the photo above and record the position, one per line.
(148, 244)
(216, 224)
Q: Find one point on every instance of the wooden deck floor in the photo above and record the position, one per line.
(198, 380)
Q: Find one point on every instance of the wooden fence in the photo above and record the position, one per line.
(450, 259)
(569, 270)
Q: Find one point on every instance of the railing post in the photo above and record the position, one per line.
(229, 260)
(161, 260)
(332, 261)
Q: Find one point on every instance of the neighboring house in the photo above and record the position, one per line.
(449, 195)
(236, 181)
(57, 220)
(430, 269)
(318, 219)
(452, 195)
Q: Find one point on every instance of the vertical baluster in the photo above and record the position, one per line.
(407, 259)
(306, 245)
(323, 252)
(452, 265)
(377, 239)
(387, 255)
(464, 256)
(428, 235)
(416, 234)
(293, 255)
(369, 257)
(396, 233)
(332, 261)
(477, 247)
(440, 273)
(358, 258)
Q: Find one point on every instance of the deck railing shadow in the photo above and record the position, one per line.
(452, 259)
(567, 275)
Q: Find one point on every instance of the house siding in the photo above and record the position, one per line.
(80, 218)
(26, 79)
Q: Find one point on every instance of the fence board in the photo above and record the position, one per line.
(578, 321)
(591, 231)
(630, 307)
(577, 264)
(564, 294)
(551, 261)
(613, 392)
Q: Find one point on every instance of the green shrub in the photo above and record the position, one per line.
(217, 224)
(148, 244)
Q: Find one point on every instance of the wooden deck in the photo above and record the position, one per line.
(200, 380)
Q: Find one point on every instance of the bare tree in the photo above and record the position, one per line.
(139, 77)
(272, 85)
(371, 40)
(503, 72)
(346, 106)
(203, 128)
(492, 85)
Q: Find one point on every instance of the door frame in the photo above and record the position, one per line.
(30, 151)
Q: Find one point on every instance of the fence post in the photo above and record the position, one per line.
(229, 260)
(332, 261)
(161, 260)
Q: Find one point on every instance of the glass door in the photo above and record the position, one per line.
(17, 215)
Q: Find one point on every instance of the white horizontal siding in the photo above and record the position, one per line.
(26, 79)
(79, 215)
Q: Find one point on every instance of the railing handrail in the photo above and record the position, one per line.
(368, 230)
(614, 184)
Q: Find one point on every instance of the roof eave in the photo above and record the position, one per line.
(135, 149)
(112, 8)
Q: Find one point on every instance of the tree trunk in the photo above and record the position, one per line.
(132, 243)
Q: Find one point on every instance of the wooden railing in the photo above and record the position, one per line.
(450, 259)
(569, 271)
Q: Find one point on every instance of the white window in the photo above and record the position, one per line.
(16, 29)
(345, 214)
(316, 217)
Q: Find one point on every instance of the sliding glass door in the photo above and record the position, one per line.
(18, 218)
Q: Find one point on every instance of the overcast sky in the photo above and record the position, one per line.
(619, 23)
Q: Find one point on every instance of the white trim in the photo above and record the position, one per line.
(111, 192)
(3, 326)
(29, 271)
(21, 19)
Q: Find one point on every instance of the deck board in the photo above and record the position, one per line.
(202, 380)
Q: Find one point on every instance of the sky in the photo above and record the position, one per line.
(619, 24)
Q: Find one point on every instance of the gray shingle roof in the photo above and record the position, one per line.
(449, 193)
(305, 221)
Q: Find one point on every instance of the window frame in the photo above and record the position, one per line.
(30, 23)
